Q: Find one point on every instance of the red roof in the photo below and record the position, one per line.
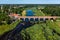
(14, 14)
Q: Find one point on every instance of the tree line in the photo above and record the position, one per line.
(52, 10)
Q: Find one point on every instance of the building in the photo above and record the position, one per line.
(14, 15)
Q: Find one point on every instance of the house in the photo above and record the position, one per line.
(14, 15)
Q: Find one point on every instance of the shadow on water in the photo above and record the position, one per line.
(15, 33)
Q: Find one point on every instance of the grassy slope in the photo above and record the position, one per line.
(56, 27)
(35, 32)
(39, 13)
(4, 28)
(43, 31)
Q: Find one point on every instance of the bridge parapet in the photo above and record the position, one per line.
(39, 17)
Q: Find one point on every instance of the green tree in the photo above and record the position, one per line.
(4, 17)
(52, 10)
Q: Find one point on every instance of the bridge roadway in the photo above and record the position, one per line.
(39, 17)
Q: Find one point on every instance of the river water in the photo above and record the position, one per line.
(15, 33)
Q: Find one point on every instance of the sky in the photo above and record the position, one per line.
(29, 1)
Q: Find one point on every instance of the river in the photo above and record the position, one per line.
(15, 33)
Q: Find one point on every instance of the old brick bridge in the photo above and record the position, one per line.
(38, 18)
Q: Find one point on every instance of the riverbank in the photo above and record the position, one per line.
(5, 28)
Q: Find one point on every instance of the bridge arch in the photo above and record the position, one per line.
(27, 19)
(22, 19)
(41, 19)
(31, 19)
(51, 18)
(36, 19)
(46, 19)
